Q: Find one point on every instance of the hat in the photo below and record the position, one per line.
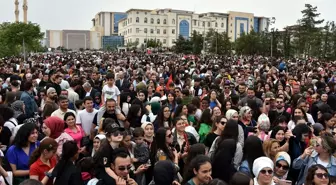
(144, 125)
(260, 163)
(51, 90)
(111, 128)
(283, 156)
(100, 136)
(269, 95)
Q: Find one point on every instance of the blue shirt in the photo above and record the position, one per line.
(17, 156)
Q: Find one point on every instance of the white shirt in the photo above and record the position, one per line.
(59, 113)
(85, 119)
(111, 92)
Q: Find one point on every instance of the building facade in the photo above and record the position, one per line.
(73, 39)
(106, 23)
(165, 25)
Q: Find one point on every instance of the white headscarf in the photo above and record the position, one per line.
(259, 164)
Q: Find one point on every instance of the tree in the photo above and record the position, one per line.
(183, 45)
(13, 34)
(248, 44)
(197, 42)
(154, 43)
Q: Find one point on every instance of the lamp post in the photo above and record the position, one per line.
(205, 34)
(272, 33)
(23, 45)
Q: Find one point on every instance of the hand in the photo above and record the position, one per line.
(275, 179)
(141, 169)
(288, 134)
(131, 181)
(51, 170)
(149, 108)
(308, 151)
(134, 160)
(120, 181)
(175, 183)
(81, 150)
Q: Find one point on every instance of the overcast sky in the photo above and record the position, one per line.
(77, 14)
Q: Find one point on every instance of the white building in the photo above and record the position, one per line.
(165, 25)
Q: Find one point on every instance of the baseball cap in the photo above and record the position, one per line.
(111, 128)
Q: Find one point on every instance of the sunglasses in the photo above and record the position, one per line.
(321, 175)
(123, 168)
(226, 87)
(169, 135)
(270, 172)
(223, 122)
(284, 167)
(117, 133)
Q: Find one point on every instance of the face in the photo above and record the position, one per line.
(33, 136)
(49, 154)
(280, 135)
(185, 110)
(169, 137)
(250, 93)
(265, 176)
(228, 105)
(241, 89)
(324, 97)
(141, 96)
(275, 148)
(59, 80)
(298, 112)
(319, 148)
(235, 116)
(321, 177)
(279, 103)
(203, 174)
(122, 166)
(88, 104)
(96, 144)
(180, 125)
(281, 168)
(110, 107)
(166, 112)
(52, 95)
(217, 111)
(127, 141)
(117, 137)
(64, 93)
(205, 104)
(177, 92)
(70, 121)
(331, 123)
(213, 95)
(248, 115)
(110, 81)
(170, 98)
(221, 124)
(46, 130)
(149, 131)
(64, 104)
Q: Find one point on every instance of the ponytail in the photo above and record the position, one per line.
(48, 144)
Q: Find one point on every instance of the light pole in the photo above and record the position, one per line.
(23, 45)
(205, 34)
(272, 32)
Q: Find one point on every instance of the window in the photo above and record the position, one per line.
(164, 41)
(158, 40)
(158, 21)
(173, 21)
(145, 30)
(145, 40)
(173, 31)
(137, 30)
(209, 24)
(222, 25)
(131, 30)
(158, 31)
(195, 22)
(203, 24)
(164, 31)
(152, 31)
(145, 13)
(137, 20)
(137, 12)
(164, 21)
(130, 20)
(137, 40)
(152, 21)
(216, 25)
(145, 21)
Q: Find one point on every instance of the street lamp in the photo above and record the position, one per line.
(204, 34)
(23, 45)
(272, 31)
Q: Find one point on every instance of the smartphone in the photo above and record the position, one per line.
(284, 182)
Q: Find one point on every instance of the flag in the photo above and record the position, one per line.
(170, 80)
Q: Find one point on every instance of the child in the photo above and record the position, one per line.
(141, 153)
(110, 90)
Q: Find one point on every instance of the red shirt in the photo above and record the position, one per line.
(38, 168)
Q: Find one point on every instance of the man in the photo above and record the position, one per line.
(280, 110)
(89, 91)
(64, 84)
(121, 165)
(109, 110)
(28, 98)
(95, 81)
(44, 81)
(72, 95)
(197, 89)
(250, 96)
(242, 90)
(50, 104)
(122, 83)
(63, 104)
(55, 81)
(85, 117)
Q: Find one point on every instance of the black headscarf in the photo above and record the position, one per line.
(164, 173)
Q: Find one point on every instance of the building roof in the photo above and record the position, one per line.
(140, 10)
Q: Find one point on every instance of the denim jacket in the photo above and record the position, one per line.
(309, 161)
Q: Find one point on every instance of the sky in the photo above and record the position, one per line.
(77, 14)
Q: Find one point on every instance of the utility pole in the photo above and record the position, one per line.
(272, 34)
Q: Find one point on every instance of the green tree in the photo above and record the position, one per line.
(154, 43)
(13, 34)
(248, 44)
(197, 42)
(183, 45)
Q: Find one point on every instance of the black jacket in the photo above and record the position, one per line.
(123, 86)
(67, 174)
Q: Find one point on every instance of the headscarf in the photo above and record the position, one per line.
(229, 113)
(283, 156)
(155, 108)
(56, 126)
(17, 106)
(274, 132)
(243, 111)
(144, 125)
(164, 173)
(260, 163)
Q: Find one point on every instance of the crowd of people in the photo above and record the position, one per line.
(166, 119)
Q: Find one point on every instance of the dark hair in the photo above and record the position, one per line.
(299, 130)
(31, 182)
(61, 98)
(328, 143)
(160, 118)
(28, 85)
(6, 112)
(178, 110)
(78, 103)
(10, 98)
(252, 150)
(217, 182)
(191, 108)
(138, 132)
(86, 164)
(230, 131)
(196, 101)
(119, 152)
(206, 117)
(159, 143)
(194, 150)
(106, 122)
(132, 116)
(325, 117)
(87, 98)
(69, 150)
(110, 76)
(195, 164)
(311, 173)
(66, 115)
(21, 137)
(48, 144)
(240, 178)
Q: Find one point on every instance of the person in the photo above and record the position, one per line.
(50, 105)
(10, 123)
(28, 99)
(148, 128)
(320, 152)
(217, 128)
(110, 90)
(97, 140)
(245, 120)
(163, 119)
(141, 150)
(205, 125)
(19, 109)
(199, 171)
(31, 182)
(240, 178)
(85, 117)
(63, 104)
(317, 175)
(282, 136)
(263, 171)
(76, 132)
(164, 173)
(25, 142)
(281, 168)
(65, 171)
(271, 148)
(43, 160)
(53, 127)
(195, 150)
(89, 91)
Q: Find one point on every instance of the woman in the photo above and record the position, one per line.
(217, 128)
(328, 122)
(97, 140)
(76, 132)
(271, 148)
(317, 175)
(195, 150)
(171, 102)
(213, 100)
(227, 105)
(252, 150)
(19, 111)
(10, 123)
(263, 171)
(127, 144)
(197, 102)
(233, 114)
(142, 96)
(10, 98)
(66, 172)
(240, 178)
(134, 116)
(53, 127)
(245, 120)
(153, 110)
(230, 132)
(279, 133)
(43, 160)
(216, 111)
(282, 165)
(97, 101)
(199, 171)
(149, 132)
(324, 148)
(125, 103)
(297, 114)
(181, 110)
(25, 142)
(163, 119)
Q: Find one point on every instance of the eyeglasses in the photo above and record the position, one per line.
(270, 172)
(284, 167)
(321, 175)
(223, 122)
(169, 135)
(123, 168)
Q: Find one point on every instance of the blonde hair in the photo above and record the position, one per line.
(267, 146)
